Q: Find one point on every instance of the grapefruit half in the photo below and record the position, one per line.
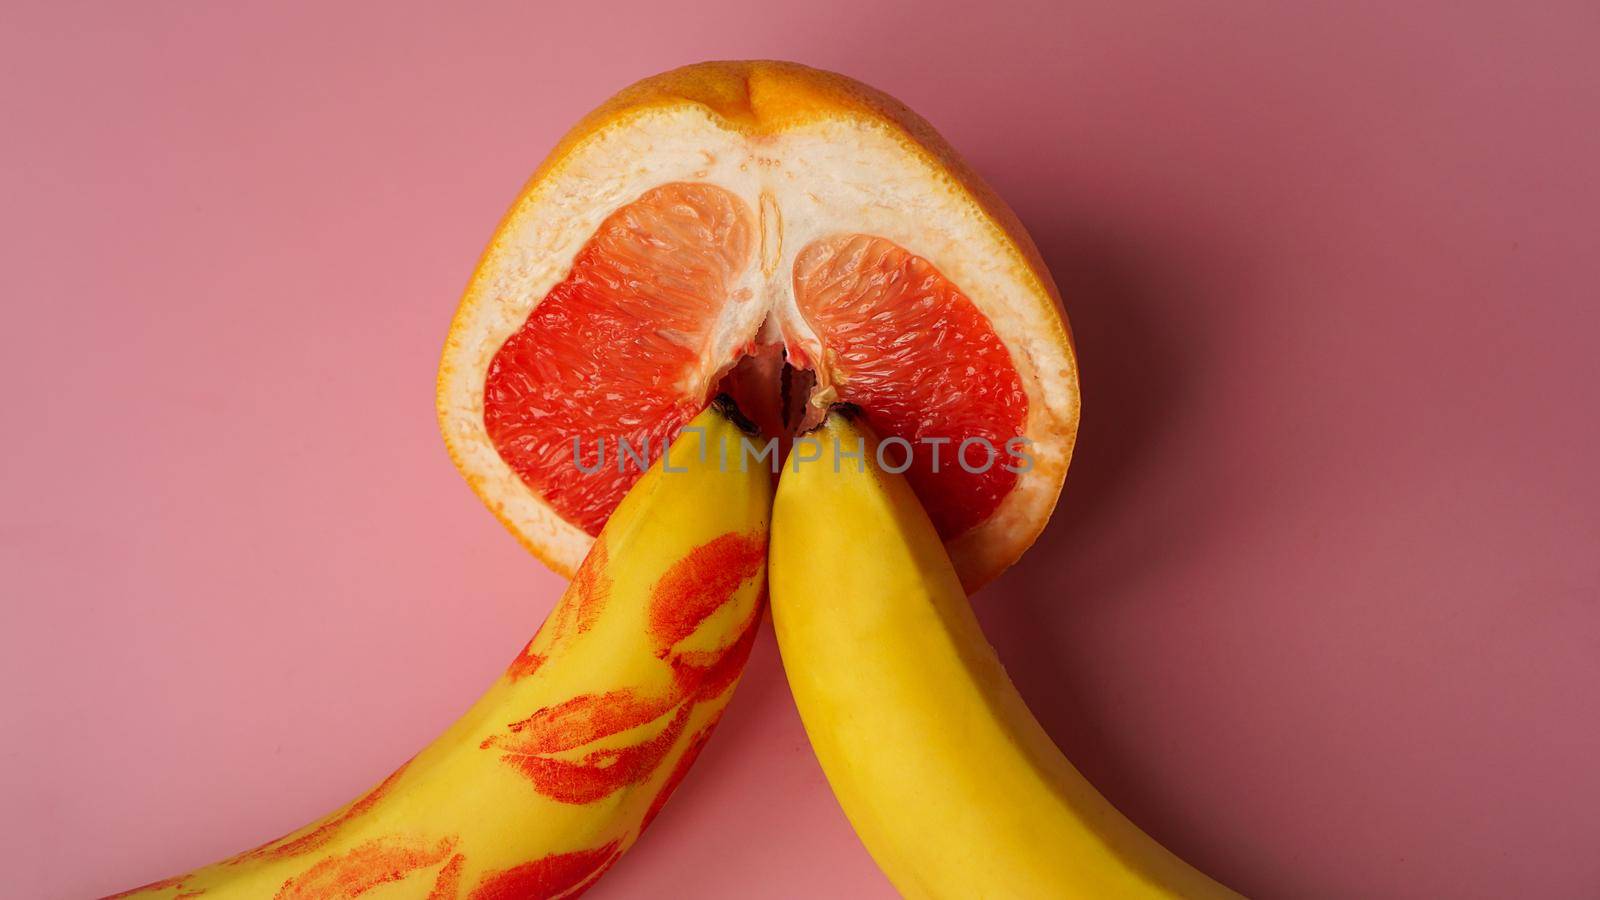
(786, 235)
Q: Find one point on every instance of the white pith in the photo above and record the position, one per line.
(820, 179)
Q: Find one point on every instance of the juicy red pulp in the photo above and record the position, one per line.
(618, 349)
(606, 353)
(913, 352)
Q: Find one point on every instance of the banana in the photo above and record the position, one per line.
(556, 770)
(948, 779)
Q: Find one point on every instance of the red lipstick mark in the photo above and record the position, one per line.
(707, 674)
(283, 848)
(562, 875)
(581, 720)
(693, 589)
(446, 886)
(679, 771)
(529, 745)
(577, 612)
(701, 583)
(527, 662)
(360, 870)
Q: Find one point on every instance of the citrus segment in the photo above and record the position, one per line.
(904, 344)
(618, 349)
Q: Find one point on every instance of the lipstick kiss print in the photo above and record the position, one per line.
(532, 745)
(690, 593)
(369, 865)
(561, 876)
(577, 612)
(290, 846)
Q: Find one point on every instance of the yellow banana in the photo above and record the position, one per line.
(949, 780)
(555, 771)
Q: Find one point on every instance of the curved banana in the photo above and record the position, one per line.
(949, 780)
(555, 771)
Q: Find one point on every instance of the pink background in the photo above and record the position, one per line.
(1319, 606)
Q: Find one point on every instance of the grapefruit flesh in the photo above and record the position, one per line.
(617, 351)
(904, 344)
(614, 350)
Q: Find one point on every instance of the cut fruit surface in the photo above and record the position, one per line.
(790, 237)
(618, 351)
(901, 342)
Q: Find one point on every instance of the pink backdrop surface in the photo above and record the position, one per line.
(1319, 607)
